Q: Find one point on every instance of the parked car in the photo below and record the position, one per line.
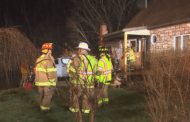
(61, 64)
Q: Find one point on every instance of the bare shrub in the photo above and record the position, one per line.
(166, 83)
(15, 48)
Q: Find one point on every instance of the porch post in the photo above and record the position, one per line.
(125, 56)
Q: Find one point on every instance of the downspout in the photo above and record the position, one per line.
(146, 3)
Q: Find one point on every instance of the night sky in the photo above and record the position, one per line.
(41, 20)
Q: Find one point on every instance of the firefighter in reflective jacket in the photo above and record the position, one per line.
(46, 77)
(104, 75)
(81, 71)
(130, 53)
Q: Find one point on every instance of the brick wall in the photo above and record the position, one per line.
(165, 36)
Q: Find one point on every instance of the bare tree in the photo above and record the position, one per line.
(89, 15)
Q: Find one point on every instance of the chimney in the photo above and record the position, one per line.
(103, 31)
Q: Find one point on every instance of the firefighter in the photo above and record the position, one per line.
(25, 72)
(46, 77)
(129, 53)
(104, 75)
(81, 71)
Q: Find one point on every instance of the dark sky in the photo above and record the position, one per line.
(41, 20)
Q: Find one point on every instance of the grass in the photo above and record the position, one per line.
(18, 105)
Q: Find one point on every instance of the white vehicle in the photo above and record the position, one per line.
(61, 64)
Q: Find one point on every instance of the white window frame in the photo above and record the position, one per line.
(153, 43)
(182, 40)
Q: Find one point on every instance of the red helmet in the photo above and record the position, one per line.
(34, 69)
(47, 46)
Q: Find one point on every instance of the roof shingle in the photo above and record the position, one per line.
(161, 12)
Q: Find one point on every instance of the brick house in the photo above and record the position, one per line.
(168, 21)
(164, 24)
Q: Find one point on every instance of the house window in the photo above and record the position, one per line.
(178, 43)
(186, 41)
(181, 42)
(133, 44)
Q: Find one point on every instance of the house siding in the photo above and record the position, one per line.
(165, 36)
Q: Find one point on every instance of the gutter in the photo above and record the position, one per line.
(124, 30)
(134, 28)
(112, 34)
(146, 27)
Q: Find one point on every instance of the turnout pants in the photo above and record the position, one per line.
(46, 94)
(77, 91)
(103, 95)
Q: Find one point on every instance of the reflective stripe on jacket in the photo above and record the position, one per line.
(46, 72)
(105, 67)
(85, 70)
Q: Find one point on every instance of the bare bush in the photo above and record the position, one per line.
(166, 83)
(15, 48)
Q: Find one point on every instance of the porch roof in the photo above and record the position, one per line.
(130, 31)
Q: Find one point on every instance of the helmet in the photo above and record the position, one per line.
(46, 47)
(83, 45)
(104, 50)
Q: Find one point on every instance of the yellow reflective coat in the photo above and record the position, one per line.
(82, 69)
(130, 55)
(46, 72)
(104, 70)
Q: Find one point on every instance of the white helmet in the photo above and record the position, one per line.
(83, 45)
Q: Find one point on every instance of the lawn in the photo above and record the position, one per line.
(18, 105)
